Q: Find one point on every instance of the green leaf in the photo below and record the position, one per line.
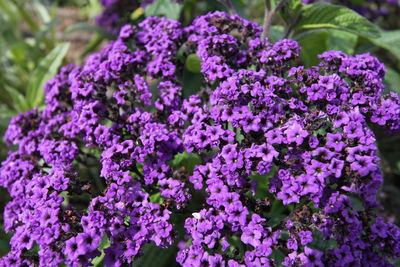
(341, 41)
(19, 102)
(356, 203)
(91, 9)
(127, 220)
(42, 12)
(46, 69)
(5, 116)
(89, 28)
(193, 63)
(165, 8)
(327, 16)
(290, 11)
(240, 8)
(321, 244)
(313, 44)
(27, 17)
(45, 30)
(156, 198)
(236, 248)
(278, 256)
(105, 243)
(187, 160)
(154, 256)
(191, 83)
(9, 10)
(92, 45)
(392, 80)
(389, 40)
(4, 237)
(262, 190)
(18, 53)
(364, 45)
(276, 33)
(357, 2)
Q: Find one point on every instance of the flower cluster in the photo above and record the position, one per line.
(284, 154)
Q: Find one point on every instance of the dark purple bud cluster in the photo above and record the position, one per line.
(266, 134)
(116, 13)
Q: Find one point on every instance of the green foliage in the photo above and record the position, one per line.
(321, 244)
(4, 242)
(241, 7)
(277, 211)
(278, 256)
(193, 63)
(237, 248)
(99, 261)
(357, 203)
(291, 11)
(46, 69)
(276, 33)
(89, 8)
(263, 183)
(389, 40)
(154, 256)
(89, 28)
(5, 115)
(315, 44)
(165, 8)
(341, 41)
(327, 16)
(156, 198)
(186, 160)
(191, 82)
(392, 80)
(26, 36)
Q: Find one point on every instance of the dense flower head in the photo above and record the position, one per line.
(282, 155)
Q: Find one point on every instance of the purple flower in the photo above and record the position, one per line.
(380, 228)
(72, 248)
(88, 241)
(335, 142)
(292, 244)
(305, 237)
(295, 133)
(336, 167)
(121, 153)
(311, 257)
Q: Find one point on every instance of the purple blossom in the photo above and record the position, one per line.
(280, 153)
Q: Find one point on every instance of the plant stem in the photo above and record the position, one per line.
(228, 4)
(269, 15)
